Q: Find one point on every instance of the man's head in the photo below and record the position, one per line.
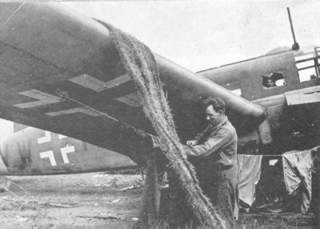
(269, 83)
(214, 110)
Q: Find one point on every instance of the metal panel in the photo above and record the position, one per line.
(304, 96)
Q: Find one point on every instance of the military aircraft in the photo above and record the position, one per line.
(59, 72)
(32, 151)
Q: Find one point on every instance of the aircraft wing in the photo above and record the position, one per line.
(60, 72)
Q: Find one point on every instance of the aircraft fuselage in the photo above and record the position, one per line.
(32, 151)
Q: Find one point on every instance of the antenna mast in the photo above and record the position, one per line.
(295, 45)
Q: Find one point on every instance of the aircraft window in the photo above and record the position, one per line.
(273, 80)
(304, 57)
(307, 74)
(305, 64)
(237, 92)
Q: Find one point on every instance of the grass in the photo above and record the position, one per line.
(248, 223)
(259, 221)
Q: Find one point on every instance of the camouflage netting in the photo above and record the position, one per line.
(140, 63)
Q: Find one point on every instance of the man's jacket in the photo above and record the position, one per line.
(217, 144)
(216, 161)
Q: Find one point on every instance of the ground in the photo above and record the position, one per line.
(97, 200)
(90, 200)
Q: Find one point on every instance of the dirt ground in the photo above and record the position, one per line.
(97, 200)
(94, 200)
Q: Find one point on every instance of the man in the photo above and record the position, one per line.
(214, 154)
(268, 82)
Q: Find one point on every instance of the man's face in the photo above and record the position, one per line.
(212, 115)
(270, 83)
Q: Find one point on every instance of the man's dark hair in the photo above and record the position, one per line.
(217, 103)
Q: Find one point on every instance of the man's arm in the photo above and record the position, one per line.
(197, 138)
(211, 145)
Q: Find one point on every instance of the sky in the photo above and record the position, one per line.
(201, 34)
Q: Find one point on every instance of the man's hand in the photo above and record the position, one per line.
(192, 142)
